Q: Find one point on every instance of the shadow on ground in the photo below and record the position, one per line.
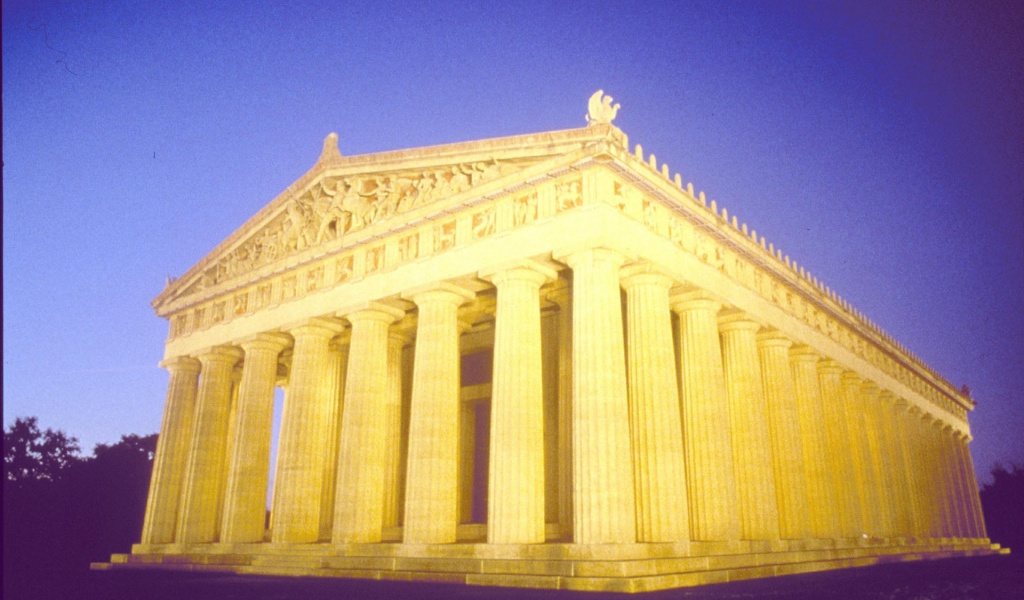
(982, 578)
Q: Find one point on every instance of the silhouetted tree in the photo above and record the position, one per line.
(62, 511)
(31, 455)
(1003, 504)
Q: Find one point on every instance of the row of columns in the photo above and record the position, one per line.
(759, 439)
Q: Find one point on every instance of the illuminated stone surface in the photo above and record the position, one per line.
(537, 361)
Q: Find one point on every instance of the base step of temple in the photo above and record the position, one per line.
(608, 567)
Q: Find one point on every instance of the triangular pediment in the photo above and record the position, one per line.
(343, 199)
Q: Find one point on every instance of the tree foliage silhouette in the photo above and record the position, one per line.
(63, 511)
(1003, 504)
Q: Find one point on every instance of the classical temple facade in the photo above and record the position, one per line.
(537, 361)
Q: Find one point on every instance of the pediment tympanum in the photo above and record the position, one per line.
(342, 199)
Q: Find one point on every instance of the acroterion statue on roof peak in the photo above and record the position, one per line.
(601, 109)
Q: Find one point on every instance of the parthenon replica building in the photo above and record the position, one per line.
(537, 361)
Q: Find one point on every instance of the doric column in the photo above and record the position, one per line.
(838, 443)
(943, 519)
(393, 427)
(431, 498)
(655, 424)
(820, 488)
(977, 523)
(305, 431)
(784, 429)
(897, 484)
(359, 495)
(710, 478)
(245, 499)
(203, 492)
(565, 479)
(903, 425)
(334, 383)
(171, 451)
(515, 507)
(954, 476)
(876, 445)
(752, 456)
(603, 498)
(863, 472)
(932, 490)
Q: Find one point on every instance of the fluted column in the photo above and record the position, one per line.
(359, 495)
(864, 478)
(431, 499)
(393, 428)
(784, 431)
(245, 499)
(838, 443)
(205, 474)
(655, 423)
(305, 436)
(706, 426)
(515, 507)
(875, 439)
(603, 494)
(894, 464)
(977, 518)
(904, 433)
(932, 489)
(171, 451)
(565, 454)
(751, 445)
(820, 489)
(956, 496)
(334, 384)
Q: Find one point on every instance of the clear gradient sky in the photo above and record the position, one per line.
(880, 144)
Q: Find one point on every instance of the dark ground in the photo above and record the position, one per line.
(983, 578)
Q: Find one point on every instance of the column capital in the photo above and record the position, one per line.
(374, 311)
(773, 338)
(850, 377)
(522, 270)
(736, 320)
(829, 366)
(694, 300)
(442, 291)
(645, 272)
(180, 364)
(318, 326)
(575, 256)
(266, 341)
(870, 388)
(220, 354)
(802, 353)
(887, 396)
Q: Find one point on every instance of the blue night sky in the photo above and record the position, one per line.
(879, 144)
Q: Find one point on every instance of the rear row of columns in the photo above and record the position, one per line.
(760, 440)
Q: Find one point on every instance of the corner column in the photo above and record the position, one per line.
(245, 500)
(305, 429)
(515, 508)
(171, 451)
(751, 445)
(655, 423)
(359, 495)
(431, 498)
(603, 494)
(711, 480)
(205, 475)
